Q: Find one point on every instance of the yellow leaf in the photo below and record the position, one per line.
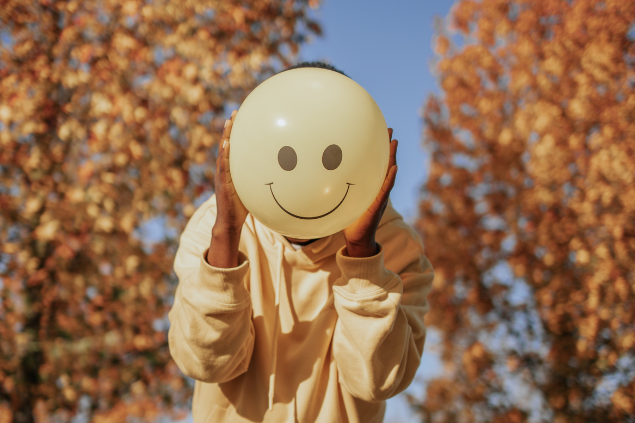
(47, 231)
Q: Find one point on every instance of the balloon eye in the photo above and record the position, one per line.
(332, 157)
(287, 158)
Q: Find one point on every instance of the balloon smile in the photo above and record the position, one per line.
(313, 217)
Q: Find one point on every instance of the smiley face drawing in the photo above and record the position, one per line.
(309, 152)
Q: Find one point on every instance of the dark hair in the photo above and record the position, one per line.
(316, 64)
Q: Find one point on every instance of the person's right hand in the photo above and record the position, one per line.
(231, 213)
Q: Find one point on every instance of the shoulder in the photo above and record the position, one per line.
(395, 231)
(204, 217)
(402, 245)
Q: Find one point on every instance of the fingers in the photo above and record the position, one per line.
(222, 160)
(386, 187)
(379, 205)
(381, 201)
(228, 175)
(393, 153)
(228, 129)
(392, 159)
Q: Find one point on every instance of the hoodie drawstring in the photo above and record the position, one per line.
(274, 344)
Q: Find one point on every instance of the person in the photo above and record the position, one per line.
(276, 329)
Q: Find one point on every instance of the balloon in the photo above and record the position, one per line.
(309, 152)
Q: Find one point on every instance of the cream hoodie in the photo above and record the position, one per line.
(298, 336)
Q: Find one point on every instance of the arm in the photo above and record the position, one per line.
(379, 336)
(380, 333)
(211, 336)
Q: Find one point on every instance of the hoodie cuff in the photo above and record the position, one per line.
(363, 276)
(225, 287)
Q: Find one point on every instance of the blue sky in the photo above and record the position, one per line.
(386, 46)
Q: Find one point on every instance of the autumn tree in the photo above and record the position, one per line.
(529, 212)
(109, 112)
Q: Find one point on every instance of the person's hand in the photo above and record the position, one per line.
(230, 211)
(360, 235)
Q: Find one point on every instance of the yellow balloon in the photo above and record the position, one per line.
(309, 152)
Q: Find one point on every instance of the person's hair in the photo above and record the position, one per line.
(316, 64)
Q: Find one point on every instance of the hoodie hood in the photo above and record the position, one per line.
(323, 247)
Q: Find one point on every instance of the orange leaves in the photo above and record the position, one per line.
(104, 224)
(476, 359)
(628, 341)
(485, 32)
(10, 248)
(193, 94)
(140, 114)
(580, 108)
(85, 53)
(462, 13)
(542, 93)
(143, 342)
(5, 114)
(190, 72)
(623, 401)
(506, 137)
(450, 83)
(127, 222)
(64, 252)
(98, 132)
(47, 231)
(124, 43)
(6, 415)
(131, 264)
(442, 45)
(602, 60)
(100, 104)
(86, 171)
(22, 49)
(555, 65)
(136, 150)
(180, 116)
(546, 114)
(589, 328)
(67, 129)
(130, 8)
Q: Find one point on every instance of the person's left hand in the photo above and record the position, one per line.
(360, 235)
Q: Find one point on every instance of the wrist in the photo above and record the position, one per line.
(226, 232)
(223, 248)
(364, 249)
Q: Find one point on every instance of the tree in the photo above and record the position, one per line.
(108, 114)
(529, 212)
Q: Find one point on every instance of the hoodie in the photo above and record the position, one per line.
(307, 335)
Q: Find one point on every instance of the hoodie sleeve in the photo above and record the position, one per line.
(211, 335)
(380, 333)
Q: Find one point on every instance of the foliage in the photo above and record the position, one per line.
(108, 114)
(529, 212)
